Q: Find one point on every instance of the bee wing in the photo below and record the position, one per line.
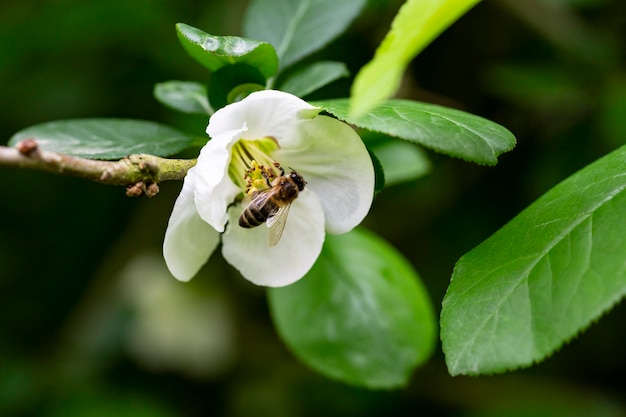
(276, 224)
(258, 197)
(247, 199)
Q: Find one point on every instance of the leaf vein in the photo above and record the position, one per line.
(292, 26)
(523, 277)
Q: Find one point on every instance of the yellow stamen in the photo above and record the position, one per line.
(251, 166)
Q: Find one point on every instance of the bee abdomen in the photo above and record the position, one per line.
(254, 216)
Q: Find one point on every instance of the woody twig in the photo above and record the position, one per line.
(140, 173)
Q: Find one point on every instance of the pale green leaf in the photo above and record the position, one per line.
(184, 96)
(313, 77)
(449, 131)
(543, 278)
(417, 23)
(361, 315)
(105, 138)
(215, 52)
(298, 28)
(401, 161)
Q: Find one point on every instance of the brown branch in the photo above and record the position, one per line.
(140, 173)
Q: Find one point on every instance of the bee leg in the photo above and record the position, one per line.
(267, 179)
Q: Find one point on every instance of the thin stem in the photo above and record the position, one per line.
(140, 173)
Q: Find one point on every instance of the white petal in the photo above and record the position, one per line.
(214, 188)
(189, 241)
(266, 113)
(248, 250)
(337, 167)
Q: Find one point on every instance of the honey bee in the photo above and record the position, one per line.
(271, 205)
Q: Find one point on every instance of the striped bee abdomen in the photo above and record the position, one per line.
(254, 216)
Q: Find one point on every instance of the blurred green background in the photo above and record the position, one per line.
(91, 324)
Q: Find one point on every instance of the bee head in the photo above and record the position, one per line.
(297, 179)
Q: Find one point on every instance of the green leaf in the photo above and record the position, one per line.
(542, 278)
(361, 315)
(313, 77)
(449, 131)
(105, 138)
(233, 83)
(215, 52)
(379, 173)
(417, 23)
(298, 28)
(184, 96)
(401, 161)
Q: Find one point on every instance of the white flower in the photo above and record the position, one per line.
(276, 131)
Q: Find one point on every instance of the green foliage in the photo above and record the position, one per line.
(416, 25)
(449, 131)
(361, 315)
(551, 71)
(233, 83)
(542, 278)
(184, 96)
(379, 173)
(401, 161)
(297, 29)
(105, 138)
(547, 89)
(313, 77)
(215, 52)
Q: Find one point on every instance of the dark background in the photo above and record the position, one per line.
(92, 325)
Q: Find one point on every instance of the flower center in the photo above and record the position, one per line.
(251, 166)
